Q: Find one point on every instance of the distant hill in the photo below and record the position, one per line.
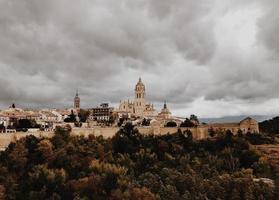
(270, 126)
(225, 119)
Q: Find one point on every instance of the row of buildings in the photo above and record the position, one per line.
(139, 109)
(135, 111)
(44, 118)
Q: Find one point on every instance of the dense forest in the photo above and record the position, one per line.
(133, 166)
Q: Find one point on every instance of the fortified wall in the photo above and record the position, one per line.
(107, 132)
(198, 133)
(7, 138)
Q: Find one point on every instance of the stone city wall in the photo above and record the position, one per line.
(197, 133)
(7, 138)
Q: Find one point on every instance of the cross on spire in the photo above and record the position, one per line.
(77, 93)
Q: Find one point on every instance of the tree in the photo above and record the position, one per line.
(45, 182)
(248, 158)
(2, 192)
(71, 118)
(2, 127)
(24, 124)
(171, 124)
(61, 136)
(18, 156)
(45, 147)
(270, 126)
(83, 115)
(145, 122)
(194, 118)
(141, 194)
(127, 139)
(187, 123)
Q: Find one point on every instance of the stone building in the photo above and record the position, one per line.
(138, 107)
(11, 116)
(102, 113)
(244, 126)
(202, 131)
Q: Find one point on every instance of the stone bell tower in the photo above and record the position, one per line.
(139, 103)
(77, 101)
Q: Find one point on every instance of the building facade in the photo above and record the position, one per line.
(138, 107)
(101, 114)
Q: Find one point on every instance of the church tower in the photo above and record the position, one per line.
(77, 101)
(139, 103)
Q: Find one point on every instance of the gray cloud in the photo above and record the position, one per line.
(185, 51)
(268, 27)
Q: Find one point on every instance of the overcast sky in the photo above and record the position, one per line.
(208, 57)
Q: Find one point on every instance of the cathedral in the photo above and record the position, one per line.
(138, 107)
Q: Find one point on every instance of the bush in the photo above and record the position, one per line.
(171, 124)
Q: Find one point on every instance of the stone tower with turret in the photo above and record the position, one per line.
(77, 101)
(139, 103)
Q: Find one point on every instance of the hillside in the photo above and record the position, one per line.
(270, 126)
(271, 152)
(134, 166)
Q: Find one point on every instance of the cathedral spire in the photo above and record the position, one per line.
(77, 93)
(165, 104)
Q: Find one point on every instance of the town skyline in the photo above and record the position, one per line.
(116, 106)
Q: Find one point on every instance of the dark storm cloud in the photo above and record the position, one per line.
(269, 27)
(179, 47)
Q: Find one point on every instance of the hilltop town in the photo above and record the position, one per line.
(106, 120)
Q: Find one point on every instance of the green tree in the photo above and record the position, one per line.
(187, 123)
(83, 115)
(17, 156)
(194, 118)
(61, 136)
(24, 124)
(71, 118)
(127, 139)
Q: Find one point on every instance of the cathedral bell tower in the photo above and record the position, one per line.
(139, 103)
(77, 101)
